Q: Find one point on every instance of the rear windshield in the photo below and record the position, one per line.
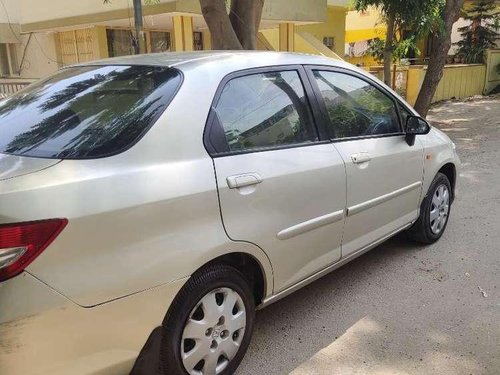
(86, 112)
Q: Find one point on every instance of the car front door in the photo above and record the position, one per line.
(384, 173)
(279, 187)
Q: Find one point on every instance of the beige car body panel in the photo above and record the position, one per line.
(59, 337)
(282, 214)
(391, 199)
(438, 151)
(141, 222)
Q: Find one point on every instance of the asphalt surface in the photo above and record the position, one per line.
(404, 308)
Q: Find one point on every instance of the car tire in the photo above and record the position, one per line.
(434, 212)
(202, 329)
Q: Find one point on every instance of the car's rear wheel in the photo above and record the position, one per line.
(434, 212)
(209, 325)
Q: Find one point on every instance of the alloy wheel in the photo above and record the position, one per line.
(440, 209)
(213, 332)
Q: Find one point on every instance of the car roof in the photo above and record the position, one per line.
(186, 60)
(217, 64)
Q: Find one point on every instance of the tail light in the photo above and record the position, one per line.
(21, 243)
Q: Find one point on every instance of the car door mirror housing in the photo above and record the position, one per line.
(415, 125)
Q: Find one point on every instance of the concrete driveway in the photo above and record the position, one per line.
(404, 308)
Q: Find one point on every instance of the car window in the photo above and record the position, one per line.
(265, 110)
(355, 107)
(86, 111)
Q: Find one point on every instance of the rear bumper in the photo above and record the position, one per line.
(42, 332)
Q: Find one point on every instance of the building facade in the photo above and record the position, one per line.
(37, 38)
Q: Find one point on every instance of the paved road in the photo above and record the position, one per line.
(403, 308)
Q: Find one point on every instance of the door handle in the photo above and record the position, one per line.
(242, 180)
(361, 157)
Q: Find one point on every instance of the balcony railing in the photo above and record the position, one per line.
(9, 86)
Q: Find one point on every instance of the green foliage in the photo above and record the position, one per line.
(359, 110)
(376, 49)
(346, 120)
(403, 47)
(371, 100)
(400, 48)
(482, 32)
(419, 16)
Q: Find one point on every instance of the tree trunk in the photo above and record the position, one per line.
(140, 43)
(391, 23)
(245, 18)
(441, 44)
(222, 33)
(258, 15)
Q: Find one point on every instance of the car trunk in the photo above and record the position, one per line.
(14, 166)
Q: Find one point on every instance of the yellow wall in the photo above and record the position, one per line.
(281, 38)
(182, 33)
(102, 42)
(366, 60)
(287, 37)
(335, 26)
(414, 83)
(368, 20)
(263, 43)
(459, 81)
(492, 74)
(307, 43)
(364, 26)
(365, 34)
(272, 38)
(207, 40)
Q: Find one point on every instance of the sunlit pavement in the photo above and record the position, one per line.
(404, 308)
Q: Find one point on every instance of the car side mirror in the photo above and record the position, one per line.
(415, 125)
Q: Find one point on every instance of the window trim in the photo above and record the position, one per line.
(312, 107)
(323, 113)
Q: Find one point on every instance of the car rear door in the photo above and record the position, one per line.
(279, 186)
(384, 173)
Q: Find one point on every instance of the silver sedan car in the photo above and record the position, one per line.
(150, 204)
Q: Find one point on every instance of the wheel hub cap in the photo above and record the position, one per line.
(213, 332)
(440, 208)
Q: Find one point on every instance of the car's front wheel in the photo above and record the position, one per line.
(209, 325)
(434, 212)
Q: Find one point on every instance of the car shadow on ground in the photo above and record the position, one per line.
(357, 316)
